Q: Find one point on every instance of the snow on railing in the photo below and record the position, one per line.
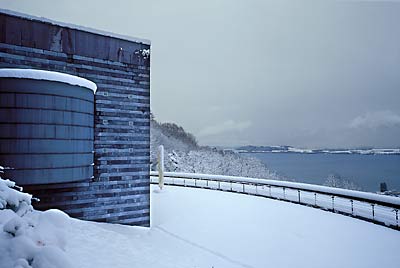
(372, 207)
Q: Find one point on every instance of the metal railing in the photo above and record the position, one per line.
(379, 209)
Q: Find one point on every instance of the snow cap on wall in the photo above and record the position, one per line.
(49, 76)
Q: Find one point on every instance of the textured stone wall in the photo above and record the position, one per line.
(119, 191)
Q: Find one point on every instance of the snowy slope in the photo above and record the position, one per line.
(204, 228)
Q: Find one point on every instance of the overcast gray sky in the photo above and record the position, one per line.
(233, 72)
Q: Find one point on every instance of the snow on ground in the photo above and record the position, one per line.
(205, 228)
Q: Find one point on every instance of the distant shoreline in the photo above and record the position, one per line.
(290, 149)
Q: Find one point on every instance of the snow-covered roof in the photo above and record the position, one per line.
(49, 76)
(76, 27)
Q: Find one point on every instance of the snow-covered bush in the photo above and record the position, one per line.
(29, 238)
(337, 181)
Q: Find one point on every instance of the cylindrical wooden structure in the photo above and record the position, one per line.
(46, 126)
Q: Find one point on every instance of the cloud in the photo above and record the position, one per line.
(226, 126)
(376, 120)
(215, 109)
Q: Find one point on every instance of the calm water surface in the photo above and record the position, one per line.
(367, 171)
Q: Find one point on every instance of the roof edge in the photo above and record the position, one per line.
(75, 27)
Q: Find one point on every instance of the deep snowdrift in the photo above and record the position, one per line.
(204, 228)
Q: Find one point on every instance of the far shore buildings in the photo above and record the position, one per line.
(98, 145)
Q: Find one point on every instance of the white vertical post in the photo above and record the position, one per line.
(160, 166)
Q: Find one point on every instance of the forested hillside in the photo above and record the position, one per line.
(183, 154)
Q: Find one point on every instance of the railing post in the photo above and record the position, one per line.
(231, 187)
(315, 199)
(352, 207)
(160, 166)
(207, 183)
(397, 217)
(256, 189)
(195, 182)
(243, 187)
(333, 203)
(373, 211)
(219, 185)
(298, 192)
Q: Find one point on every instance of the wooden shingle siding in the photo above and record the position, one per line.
(120, 189)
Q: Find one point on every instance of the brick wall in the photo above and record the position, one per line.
(119, 191)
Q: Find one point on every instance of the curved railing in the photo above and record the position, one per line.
(379, 209)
